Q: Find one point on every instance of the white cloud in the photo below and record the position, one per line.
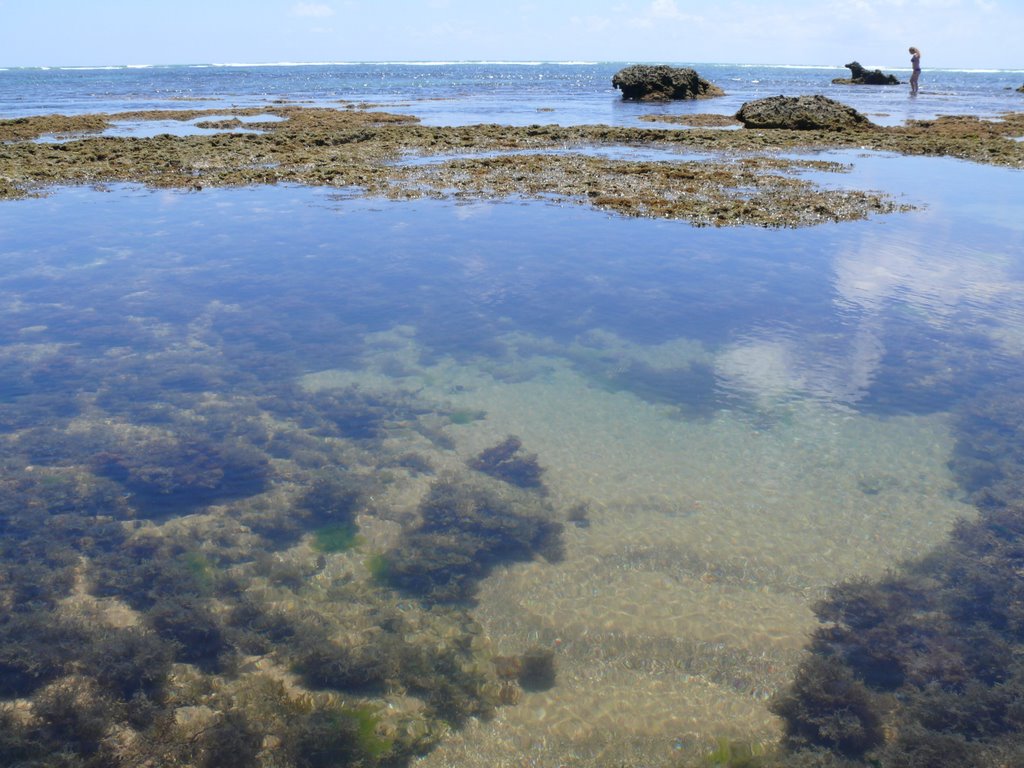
(312, 10)
(591, 24)
(660, 11)
(665, 9)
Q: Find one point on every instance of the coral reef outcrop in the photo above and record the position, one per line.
(801, 113)
(641, 82)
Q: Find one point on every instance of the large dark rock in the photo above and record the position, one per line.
(641, 82)
(861, 76)
(802, 113)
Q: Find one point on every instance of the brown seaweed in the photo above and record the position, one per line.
(466, 530)
(506, 461)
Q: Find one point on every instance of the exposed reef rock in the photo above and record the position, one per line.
(663, 83)
(694, 121)
(347, 148)
(802, 113)
(861, 76)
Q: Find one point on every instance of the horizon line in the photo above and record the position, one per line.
(454, 62)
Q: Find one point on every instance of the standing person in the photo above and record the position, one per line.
(915, 61)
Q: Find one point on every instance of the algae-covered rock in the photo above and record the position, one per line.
(641, 82)
(802, 113)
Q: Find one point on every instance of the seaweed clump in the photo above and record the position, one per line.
(328, 509)
(925, 668)
(171, 473)
(506, 461)
(989, 455)
(537, 669)
(828, 707)
(466, 529)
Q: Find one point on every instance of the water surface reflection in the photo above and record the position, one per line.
(236, 419)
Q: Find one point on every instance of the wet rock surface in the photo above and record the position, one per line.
(663, 83)
(801, 113)
(738, 180)
(697, 121)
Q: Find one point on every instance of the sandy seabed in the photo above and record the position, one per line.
(684, 602)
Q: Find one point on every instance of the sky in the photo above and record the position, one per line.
(968, 34)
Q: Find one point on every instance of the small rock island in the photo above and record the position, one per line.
(861, 76)
(641, 82)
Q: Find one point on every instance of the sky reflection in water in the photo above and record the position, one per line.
(302, 274)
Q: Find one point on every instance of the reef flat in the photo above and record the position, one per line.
(740, 178)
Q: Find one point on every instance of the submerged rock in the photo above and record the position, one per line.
(804, 113)
(641, 82)
(861, 76)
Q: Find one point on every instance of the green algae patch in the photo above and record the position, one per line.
(729, 753)
(378, 567)
(201, 571)
(367, 723)
(463, 417)
(337, 537)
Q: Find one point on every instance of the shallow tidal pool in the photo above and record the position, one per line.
(725, 423)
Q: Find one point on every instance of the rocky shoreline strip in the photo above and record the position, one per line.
(743, 180)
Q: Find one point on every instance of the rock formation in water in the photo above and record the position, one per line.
(861, 76)
(805, 113)
(641, 82)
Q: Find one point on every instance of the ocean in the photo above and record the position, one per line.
(506, 93)
(341, 480)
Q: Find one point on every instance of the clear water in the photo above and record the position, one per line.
(749, 415)
(548, 272)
